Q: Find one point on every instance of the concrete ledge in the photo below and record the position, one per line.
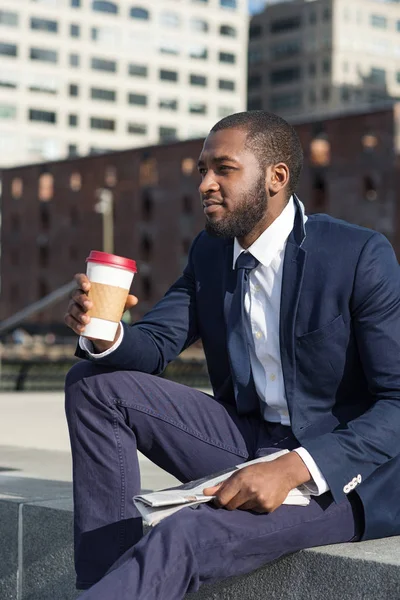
(36, 561)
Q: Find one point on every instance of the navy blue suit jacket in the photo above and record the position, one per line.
(340, 350)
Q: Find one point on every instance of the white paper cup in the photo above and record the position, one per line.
(111, 278)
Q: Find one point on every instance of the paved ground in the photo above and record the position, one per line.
(34, 440)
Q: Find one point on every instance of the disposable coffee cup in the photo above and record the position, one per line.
(110, 279)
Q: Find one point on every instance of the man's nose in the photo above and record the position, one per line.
(208, 184)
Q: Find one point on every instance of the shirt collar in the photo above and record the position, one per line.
(273, 239)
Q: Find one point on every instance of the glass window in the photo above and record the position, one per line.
(168, 104)
(138, 99)
(43, 84)
(227, 57)
(282, 76)
(197, 108)
(44, 55)
(137, 12)
(255, 104)
(106, 36)
(167, 134)
(286, 49)
(74, 30)
(137, 70)
(286, 101)
(137, 128)
(73, 89)
(199, 1)
(313, 17)
(101, 94)
(7, 112)
(226, 84)
(76, 3)
(44, 25)
(255, 56)
(326, 65)
(228, 4)
(104, 124)
(326, 14)
(8, 18)
(377, 76)
(199, 52)
(169, 47)
(326, 94)
(170, 19)
(73, 120)
(198, 80)
(378, 21)
(255, 31)
(228, 30)
(43, 116)
(74, 60)
(198, 25)
(398, 25)
(286, 24)
(104, 6)
(345, 93)
(166, 75)
(100, 64)
(312, 69)
(8, 80)
(8, 49)
(398, 76)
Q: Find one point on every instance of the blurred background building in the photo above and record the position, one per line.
(320, 57)
(80, 77)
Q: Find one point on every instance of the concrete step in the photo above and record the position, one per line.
(36, 557)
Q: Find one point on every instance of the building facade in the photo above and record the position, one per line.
(51, 218)
(88, 76)
(319, 57)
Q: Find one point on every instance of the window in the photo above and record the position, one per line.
(42, 116)
(312, 96)
(198, 80)
(170, 19)
(228, 4)
(228, 30)
(146, 247)
(103, 6)
(73, 120)
(137, 70)
(312, 69)
(227, 57)
(282, 76)
(72, 150)
(73, 90)
(74, 60)
(377, 76)
(286, 101)
(8, 80)
(326, 14)
(326, 65)
(378, 21)
(100, 64)
(74, 30)
(76, 3)
(326, 94)
(139, 13)
(398, 25)
(197, 108)
(254, 82)
(286, 49)
(286, 24)
(103, 124)
(7, 112)
(43, 84)
(137, 99)
(168, 104)
(44, 55)
(199, 52)
(255, 31)
(345, 93)
(169, 48)
(226, 84)
(44, 25)
(101, 94)
(255, 103)
(255, 56)
(137, 128)
(8, 49)
(313, 17)
(167, 134)
(166, 75)
(398, 76)
(199, 25)
(8, 18)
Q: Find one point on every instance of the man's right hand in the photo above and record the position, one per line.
(76, 317)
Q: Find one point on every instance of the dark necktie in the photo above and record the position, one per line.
(243, 384)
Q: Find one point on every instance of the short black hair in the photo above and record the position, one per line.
(271, 139)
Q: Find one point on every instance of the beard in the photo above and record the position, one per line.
(250, 209)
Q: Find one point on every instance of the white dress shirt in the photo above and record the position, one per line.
(262, 308)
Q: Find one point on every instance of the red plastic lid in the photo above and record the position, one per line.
(111, 259)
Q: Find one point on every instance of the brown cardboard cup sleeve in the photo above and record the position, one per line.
(108, 301)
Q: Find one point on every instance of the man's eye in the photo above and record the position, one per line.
(224, 168)
(202, 171)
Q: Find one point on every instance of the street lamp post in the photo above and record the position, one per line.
(105, 206)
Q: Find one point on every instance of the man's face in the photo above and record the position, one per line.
(232, 189)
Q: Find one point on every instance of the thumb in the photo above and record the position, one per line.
(130, 302)
(211, 491)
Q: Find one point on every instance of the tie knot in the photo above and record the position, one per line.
(246, 261)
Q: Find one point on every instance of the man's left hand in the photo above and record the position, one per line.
(261, 487)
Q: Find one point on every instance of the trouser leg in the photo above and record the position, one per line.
(113, 414)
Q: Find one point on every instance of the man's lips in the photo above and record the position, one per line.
(210, 202)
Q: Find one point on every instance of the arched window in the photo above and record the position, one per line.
(138, 12)
(320, 150)
(228, 30)
(104, 6)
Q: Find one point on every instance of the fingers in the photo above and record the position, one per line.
(130, 302)
(76, 317)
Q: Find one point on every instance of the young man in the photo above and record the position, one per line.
(300, 323)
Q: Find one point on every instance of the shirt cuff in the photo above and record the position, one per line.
(87, 346)
(317, 484)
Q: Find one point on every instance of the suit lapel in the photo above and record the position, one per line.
(229, 279)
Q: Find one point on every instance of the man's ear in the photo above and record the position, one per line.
(277, 177)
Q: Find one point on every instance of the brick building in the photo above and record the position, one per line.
(50, 218)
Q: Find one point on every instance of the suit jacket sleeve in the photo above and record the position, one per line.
(170, 327)
(359, 447)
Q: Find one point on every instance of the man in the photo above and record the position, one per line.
(300, 323)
